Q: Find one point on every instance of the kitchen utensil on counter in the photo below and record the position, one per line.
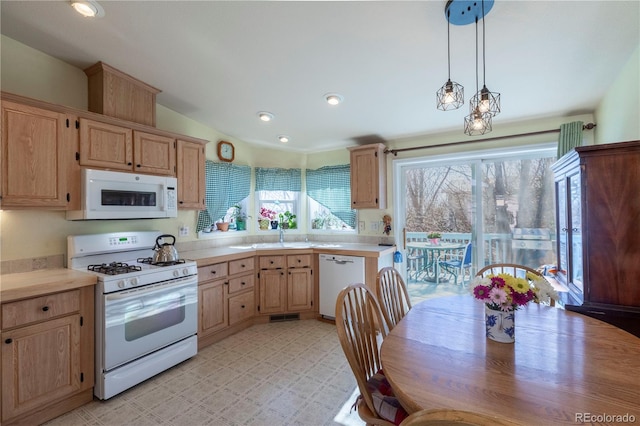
(167, 251)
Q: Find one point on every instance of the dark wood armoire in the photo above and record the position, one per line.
(598, 231)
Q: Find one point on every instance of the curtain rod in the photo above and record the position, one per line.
(395, 152)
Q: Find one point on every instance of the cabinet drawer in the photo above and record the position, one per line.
(241, 283)
(299, 261)
(241, 307)
(212, 272)
(241, 265)
(40, 308)
(272, 262)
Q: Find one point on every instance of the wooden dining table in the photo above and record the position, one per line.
(564, 367)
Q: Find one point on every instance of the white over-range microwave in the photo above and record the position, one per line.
(118, 195)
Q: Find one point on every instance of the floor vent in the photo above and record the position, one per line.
(285, 317)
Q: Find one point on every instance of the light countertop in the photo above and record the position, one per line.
(30, 284)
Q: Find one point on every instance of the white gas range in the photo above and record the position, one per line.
(146, 313)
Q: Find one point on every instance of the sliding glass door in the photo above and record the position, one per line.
(500, 201)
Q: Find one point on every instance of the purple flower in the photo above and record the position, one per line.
(481, 292)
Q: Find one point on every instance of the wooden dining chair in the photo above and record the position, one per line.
(518, 271)
(361, 329)
(442, 417)
(393, 295)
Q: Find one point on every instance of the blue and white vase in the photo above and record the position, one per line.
(500, 326)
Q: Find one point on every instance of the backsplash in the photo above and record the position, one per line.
(32, 264)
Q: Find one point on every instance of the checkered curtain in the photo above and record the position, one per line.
(331, 187)
(227, 184)
(268, 179)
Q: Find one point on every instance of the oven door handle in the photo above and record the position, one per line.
(155, 288)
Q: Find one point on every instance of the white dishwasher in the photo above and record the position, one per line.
(337, 272)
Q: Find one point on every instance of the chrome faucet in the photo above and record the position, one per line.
(281, 235)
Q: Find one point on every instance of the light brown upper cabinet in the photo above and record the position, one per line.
(35, 155)
(117, 94)
(109, 146)
(368, 177)
(190, 171)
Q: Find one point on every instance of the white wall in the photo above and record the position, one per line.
(618, 114)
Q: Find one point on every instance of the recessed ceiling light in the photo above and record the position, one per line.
(333, 98)
(88, 8)
(265, 116)
(283, 138)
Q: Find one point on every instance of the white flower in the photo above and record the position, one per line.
(544, 290)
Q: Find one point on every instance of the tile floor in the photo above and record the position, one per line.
(287, 373)
(277, 374)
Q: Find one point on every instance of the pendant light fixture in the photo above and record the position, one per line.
(451, 95)
(477, 122)
(484, 100)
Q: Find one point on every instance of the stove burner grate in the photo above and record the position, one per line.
(114, 268)
(149, 261)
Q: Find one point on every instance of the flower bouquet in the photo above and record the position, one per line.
(503, 294)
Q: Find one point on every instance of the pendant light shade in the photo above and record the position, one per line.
(486, 102)
(451, 95)
(477, 123)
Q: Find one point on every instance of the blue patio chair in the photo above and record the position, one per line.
(457, 264)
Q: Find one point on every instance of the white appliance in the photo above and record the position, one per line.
(117, 195)
(336, 273)
(146, 314)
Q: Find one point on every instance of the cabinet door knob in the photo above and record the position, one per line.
(242, 283)
(242, 306)
(129, 164)
(137, 165)
(213, 272)
(45, 308)
(8, 341)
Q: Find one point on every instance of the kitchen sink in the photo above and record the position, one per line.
(287, 245)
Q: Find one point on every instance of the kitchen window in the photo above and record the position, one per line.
(329, 199)
(226, 185)
(278, 194)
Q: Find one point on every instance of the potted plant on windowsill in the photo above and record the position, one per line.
(288, 220)
(240, 217)
(434, 237)
(265, 217)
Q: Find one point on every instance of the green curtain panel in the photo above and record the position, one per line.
(570, 137)
(331, 187)
(274, 179)
(227, 184)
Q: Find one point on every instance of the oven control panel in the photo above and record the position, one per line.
(124, 241)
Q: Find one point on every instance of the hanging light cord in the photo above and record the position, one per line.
(484, 70)
(476, 54)
(448, 46)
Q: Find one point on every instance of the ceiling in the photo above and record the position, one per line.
(221, 62)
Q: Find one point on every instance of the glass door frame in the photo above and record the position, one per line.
(474, 158)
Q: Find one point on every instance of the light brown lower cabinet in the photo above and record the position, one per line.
(226, 299)
(47, 355)
(286, 284)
